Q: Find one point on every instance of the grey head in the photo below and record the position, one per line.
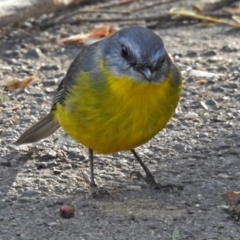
(138, 53)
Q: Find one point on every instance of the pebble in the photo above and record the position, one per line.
(209, 53)
(30, 193)
(204, 105)
(49, 67)
(134, 187)
(34, 53)
(212, 102)
(223, 175)
(191, 115)
(5, 163)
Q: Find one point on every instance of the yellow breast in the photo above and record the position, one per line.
(116, 114)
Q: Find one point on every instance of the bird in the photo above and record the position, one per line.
(117, 94)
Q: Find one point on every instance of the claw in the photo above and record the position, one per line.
(95, 192)
(149, 179)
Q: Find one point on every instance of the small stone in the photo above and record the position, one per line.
(31, 193)
(191, 115)
(24, 199)
(209, 53)
(180, 147)
(52, 153)
(233, 151)
(6, 163)
(223, 175)
(34, 53)
(191, 53)
(134, 187)
(49, 67)
(56, 171)
(228, 48)
(51, 224)
(203, 104)
(212, 102)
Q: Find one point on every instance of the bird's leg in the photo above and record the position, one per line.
(149, 179)
(95, 191)
(92, 181)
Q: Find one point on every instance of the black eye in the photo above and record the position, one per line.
(159, 63)
(125, 52)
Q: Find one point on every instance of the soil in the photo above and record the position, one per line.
(198, 149)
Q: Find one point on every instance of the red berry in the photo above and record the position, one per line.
(67, 211)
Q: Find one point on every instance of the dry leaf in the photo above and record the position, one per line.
(231, 197)
(97, 33)
(19, 83)
(236, 18)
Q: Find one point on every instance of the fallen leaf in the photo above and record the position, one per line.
(14, 84)
(236, 18)
(97, 33)
(231, 197)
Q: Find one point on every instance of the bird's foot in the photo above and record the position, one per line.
(149, 179)
(96, 192)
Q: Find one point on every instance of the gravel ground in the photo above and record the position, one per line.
(198, 149)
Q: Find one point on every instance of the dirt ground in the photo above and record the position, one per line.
(198, 149)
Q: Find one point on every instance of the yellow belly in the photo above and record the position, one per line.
(116, 114)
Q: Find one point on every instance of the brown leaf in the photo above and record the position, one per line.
(97, 33)
(14, 84)
(231, 197)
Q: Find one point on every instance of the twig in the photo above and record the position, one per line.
(154, 5)
(103, 11)
(113, 4)
(218, 238)
(178, 13)
(147, 18)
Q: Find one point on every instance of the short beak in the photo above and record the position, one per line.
(147, 73)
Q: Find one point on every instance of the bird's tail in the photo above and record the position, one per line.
(40, 130)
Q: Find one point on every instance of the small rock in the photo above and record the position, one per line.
(228, 48)
(6, 163)
(191, 53)
(191, 115)
(56, 171)
(134, 187)
(30, 193)
(212, 102)
(209, 53)
(180, 147)
(203, 104)
(223, 175)
(49, 67)
(34, 53)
